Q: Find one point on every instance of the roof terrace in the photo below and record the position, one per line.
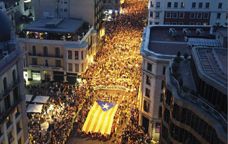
(56, 29)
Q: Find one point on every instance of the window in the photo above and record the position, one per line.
(33, 50)
(82, 55)
(7, 102)
(157, 4)
(148, 80)
(199, 15)
(182, 5)
(219, 5)
(5, 83)
(69, 66)
(149, 67)
(151, 14)
(174, 15)
(147, 92)
(193, 5)
(181, 15)
(192, 15)
(14, 75)
(218, 15)
(163, 70)
(207, 5)
(175, 4)
(34, 61)
(151, 4)
(169, 5)
(167, 15)
(146, 106)
(45, 51)
(200, 5)
(57, 52)
(46, 63)
(82, 66)
(157, 14)
(162, 84)
(76, 67)
(160, 112)
(58, 63)
(76, 55)
(69, 54)
(156, 23)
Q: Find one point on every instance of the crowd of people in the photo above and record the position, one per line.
(58, 114)
(117, 63)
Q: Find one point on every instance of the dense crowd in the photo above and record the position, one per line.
(118, 63)
(59, 113)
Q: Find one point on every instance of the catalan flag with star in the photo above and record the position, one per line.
(100, 118)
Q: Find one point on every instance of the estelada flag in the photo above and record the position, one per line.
(100, 118)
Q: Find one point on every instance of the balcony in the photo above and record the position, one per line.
(49, 67)
(45, 55)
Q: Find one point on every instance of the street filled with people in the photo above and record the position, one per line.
(118, 65)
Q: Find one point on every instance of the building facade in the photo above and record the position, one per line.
(160, 44)
(12, 8)
(13, 119)
(60, 53)
(88, 10)
(195, 100)
(188, 12)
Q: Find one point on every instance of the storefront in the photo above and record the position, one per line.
(71, 78)
(36, 76)
(58, 76)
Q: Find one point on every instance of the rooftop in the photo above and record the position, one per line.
(55, 25)
(163, 41)
(212, 66)
(223, 31)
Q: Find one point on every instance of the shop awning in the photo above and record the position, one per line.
(34, 108)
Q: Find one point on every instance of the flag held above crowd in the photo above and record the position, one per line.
(100, 118)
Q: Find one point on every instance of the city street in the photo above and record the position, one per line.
(115, 74)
